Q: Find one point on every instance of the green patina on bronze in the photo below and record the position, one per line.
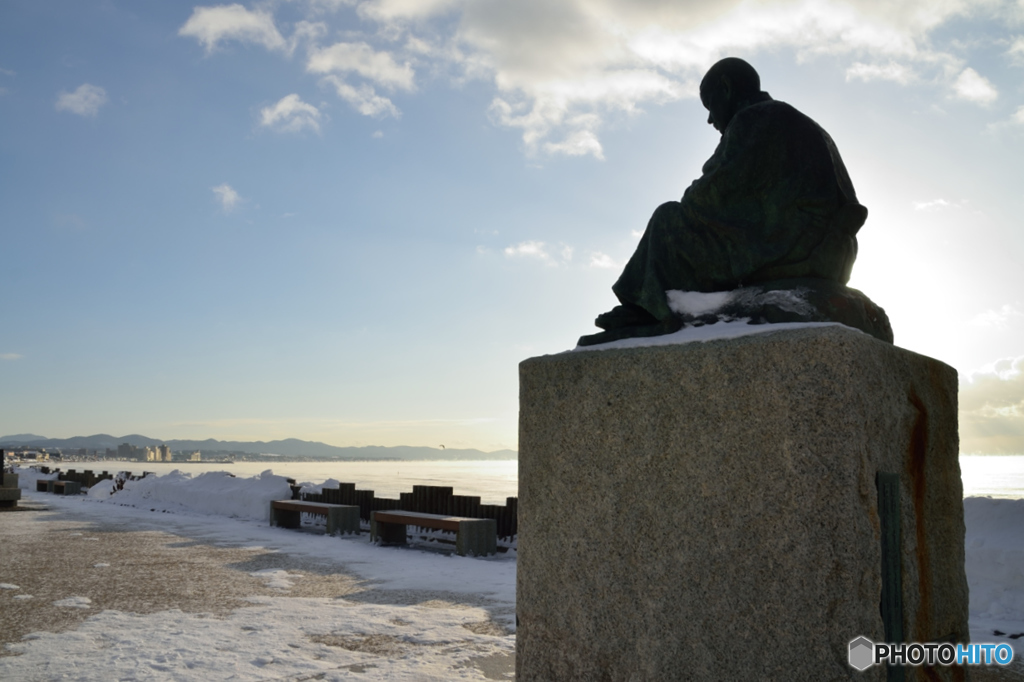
(774, 203)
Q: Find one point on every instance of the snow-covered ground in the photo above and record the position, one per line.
(995, 568)
(445, 617)
(437, 616)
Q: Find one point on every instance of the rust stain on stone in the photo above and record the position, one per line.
(916, 464)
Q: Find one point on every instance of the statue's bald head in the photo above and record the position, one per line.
(727, 87)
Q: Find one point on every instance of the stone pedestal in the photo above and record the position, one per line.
(710, 511)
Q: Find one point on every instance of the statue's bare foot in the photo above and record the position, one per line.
(626, 315)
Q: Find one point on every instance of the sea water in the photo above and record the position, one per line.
(993, 476)
(493, 481)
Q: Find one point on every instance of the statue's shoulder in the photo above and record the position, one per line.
(775, 123)
(775, 111)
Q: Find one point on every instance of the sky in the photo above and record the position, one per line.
(350, 220)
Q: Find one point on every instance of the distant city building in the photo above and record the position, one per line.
(37, 455)
(196, 456)
(159, 453)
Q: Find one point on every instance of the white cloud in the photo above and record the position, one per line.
(1016, 50)
(999, 319)
(602, 260)
(549, 110)
(291, 114)
(323, 6)
(85, 101)
(552, 61)
(390, 10)
(360, 58)
(561, 70)
(1015, 119)
(227, 196)
(891, 71)
(580, 143)
(935, 205)
(541, 251)
(7, 72)
(212, 25)
(306, 31)
(11, 356)
(529, 249)
(973, 87)
(991, 405)
(364, 99)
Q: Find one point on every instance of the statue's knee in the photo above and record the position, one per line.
(668, 214)
(668, 209)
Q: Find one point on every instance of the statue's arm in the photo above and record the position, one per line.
(728, 180)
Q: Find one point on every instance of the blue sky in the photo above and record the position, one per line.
(348, 221)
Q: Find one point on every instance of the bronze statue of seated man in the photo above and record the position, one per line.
(773, 211)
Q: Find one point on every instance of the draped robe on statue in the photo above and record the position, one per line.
(774, 202)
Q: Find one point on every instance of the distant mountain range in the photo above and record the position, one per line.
(290, 447)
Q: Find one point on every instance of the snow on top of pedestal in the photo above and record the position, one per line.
(708, 332)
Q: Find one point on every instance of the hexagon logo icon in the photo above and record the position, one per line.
(861, 653)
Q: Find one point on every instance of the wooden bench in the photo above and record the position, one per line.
(66, 488)
(478, 537)
(341, 518)
(44, 486)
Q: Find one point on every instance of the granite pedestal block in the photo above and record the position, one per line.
(737, 509)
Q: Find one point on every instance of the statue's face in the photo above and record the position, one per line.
(718, 100)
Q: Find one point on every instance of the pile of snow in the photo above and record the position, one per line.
(697, 303)
(995, 557)
(317, 488)
(27, 477)
(215, 493)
